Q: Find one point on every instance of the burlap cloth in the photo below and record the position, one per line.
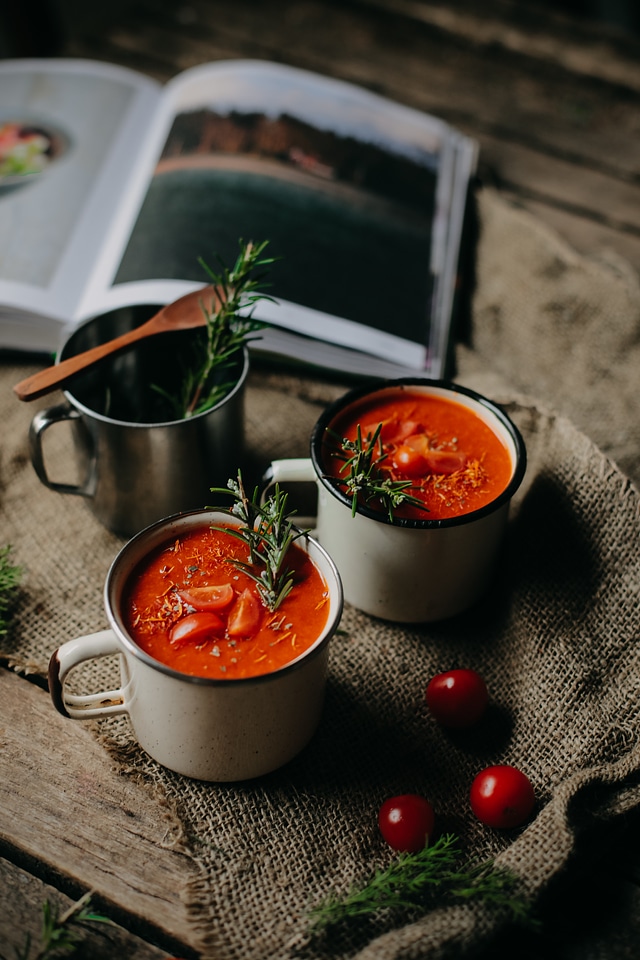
(556, 639)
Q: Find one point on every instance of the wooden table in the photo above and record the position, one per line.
(553, 102)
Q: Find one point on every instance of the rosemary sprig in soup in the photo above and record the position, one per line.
(229, 596)
(416, 455)
(365, 480)
(268, 532)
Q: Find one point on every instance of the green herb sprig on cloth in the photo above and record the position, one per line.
(229, 326)
(10, 576)
(408, 882)
(268, 532)
(364, 480)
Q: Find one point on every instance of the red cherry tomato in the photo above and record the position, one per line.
(406, 822)
(502, 796)
(214, 597)
(245, 615)
(196, 628)
(409, 460)
(457, 698)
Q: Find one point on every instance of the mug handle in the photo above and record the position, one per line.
(293, 470)
(71, 654)
(41, 422)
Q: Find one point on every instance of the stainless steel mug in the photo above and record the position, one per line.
(135, 463)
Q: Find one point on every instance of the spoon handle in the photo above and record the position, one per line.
(44, 381)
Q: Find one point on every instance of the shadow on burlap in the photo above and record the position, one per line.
(556, 639)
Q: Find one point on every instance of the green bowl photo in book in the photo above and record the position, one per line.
(27, 148)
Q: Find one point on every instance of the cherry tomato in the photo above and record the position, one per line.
(457, 698)
(214, 597)
(245, 615)
(406, 822)
(196, 628)
(408, 459)
(502, 796)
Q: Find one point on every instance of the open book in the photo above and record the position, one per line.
(112, 187)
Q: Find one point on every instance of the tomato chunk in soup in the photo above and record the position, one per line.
(454, 460)
(187, 606)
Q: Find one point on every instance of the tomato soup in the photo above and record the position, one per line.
(452, 458)
(189, 607)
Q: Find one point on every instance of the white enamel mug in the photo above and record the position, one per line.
(407, 571)
(216, 730)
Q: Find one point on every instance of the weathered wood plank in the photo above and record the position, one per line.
(21, 912)
(584, 46)
(565, 185)
(67, 814)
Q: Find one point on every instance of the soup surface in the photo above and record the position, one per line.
(187, 606)
(453, 460)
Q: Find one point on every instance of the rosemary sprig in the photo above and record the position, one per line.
(229, 325)
(268, 532)
(409, 880)
(59, 931)
(9, 580)
(365, 480)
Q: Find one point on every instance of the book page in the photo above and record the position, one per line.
(83, 123)
(353, 193)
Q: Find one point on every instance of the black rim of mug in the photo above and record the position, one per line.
(132, 553)
(379, 386)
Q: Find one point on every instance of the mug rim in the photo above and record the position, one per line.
(134, 424)
(153, 532)
(380, 516)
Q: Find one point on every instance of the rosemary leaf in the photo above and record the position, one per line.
(10, 576)
(268, 532)
(408, 882)
(491, 885)
(60, 933)
(365, 479)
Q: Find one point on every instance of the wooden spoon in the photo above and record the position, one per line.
(183, 314)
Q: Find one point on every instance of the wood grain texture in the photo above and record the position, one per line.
(21, 911)
(70, 818)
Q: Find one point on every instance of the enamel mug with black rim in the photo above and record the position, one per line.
(407, 570)
(208, 729)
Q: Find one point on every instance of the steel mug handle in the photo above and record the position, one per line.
(41, 422)
(71, 654)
